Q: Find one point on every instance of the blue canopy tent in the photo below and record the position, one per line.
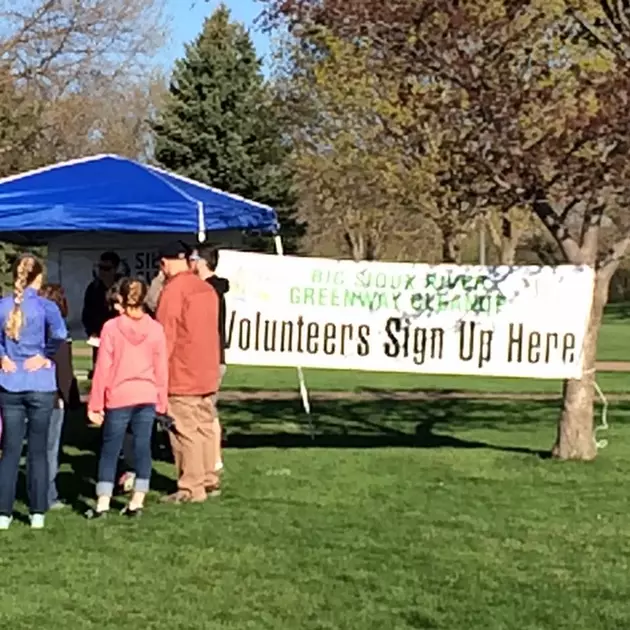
(108, 193)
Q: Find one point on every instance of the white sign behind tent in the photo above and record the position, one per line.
(72, 261)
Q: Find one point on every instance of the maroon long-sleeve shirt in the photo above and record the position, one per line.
(189, 310)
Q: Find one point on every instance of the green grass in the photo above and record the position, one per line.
(243, 378)
(614, 338)
(396, 516)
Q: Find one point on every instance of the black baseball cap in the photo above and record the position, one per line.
(175, 250)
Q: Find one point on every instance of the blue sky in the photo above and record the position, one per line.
(187, 17)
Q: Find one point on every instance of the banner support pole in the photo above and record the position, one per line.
(277, 239)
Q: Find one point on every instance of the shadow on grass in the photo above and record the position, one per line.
(378, 424)
(335, 423)
(618, 312)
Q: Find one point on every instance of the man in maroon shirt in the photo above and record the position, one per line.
(188, 310)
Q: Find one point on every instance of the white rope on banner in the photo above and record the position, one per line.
(303, 389)
(603, 426)
(604, 423)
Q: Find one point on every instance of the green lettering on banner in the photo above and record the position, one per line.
(326, 297)
(378, 290)
(318, 276)
(355, 298)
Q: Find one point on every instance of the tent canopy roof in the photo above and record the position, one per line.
(109, 193)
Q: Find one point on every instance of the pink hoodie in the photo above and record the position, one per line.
(132, 365)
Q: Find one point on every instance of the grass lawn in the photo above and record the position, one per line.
(614, 338)
(397, 516)
(245, 378)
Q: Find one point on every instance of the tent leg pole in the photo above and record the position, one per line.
(277, 239)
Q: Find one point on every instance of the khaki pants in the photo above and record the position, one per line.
(194, 443)
(217, 426)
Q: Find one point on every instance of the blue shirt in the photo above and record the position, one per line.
(42, 333)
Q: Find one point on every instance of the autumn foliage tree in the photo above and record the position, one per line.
(353, 187)
(525, 105)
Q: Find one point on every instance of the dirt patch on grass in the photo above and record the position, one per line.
(613, 366)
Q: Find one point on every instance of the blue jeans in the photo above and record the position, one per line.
(140, 418)
(25, 414)
(54, 443)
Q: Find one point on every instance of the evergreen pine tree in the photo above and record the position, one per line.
(217, 125)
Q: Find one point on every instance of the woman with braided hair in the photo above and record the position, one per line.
(31, 331)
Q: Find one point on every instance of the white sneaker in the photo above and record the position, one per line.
(37, 521)
(5, 522)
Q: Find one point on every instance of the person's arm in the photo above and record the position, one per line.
(168, 314)
(160, 365)
(153, 294)
(3, 336)
(6, 363)
(56, 329)
(102, 372)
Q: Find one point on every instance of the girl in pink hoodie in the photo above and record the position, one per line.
(129, 387)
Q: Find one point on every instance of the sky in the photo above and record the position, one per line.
(187, 18)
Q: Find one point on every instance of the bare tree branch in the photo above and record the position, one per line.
(558, 230)
(615, 254)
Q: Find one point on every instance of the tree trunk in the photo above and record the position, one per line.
(508, 252)
(576, 435)
(356, 244)
(509, 240)
(451, 250)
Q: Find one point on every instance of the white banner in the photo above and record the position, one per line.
(398, 317)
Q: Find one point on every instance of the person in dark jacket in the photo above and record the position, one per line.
(96, 308)
(205, 260)
(65, 384)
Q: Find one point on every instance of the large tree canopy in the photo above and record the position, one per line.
(511, 105)
(218, 123)
(207, 128)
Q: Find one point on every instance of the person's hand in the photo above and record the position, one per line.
(38, 362)
(8, 365)
(96, 417)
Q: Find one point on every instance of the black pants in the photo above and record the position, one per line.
(94, 357)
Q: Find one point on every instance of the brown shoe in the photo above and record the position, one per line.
(213, 491)
(180, 497)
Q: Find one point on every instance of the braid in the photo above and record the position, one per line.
(15, 321)
(133, 293)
